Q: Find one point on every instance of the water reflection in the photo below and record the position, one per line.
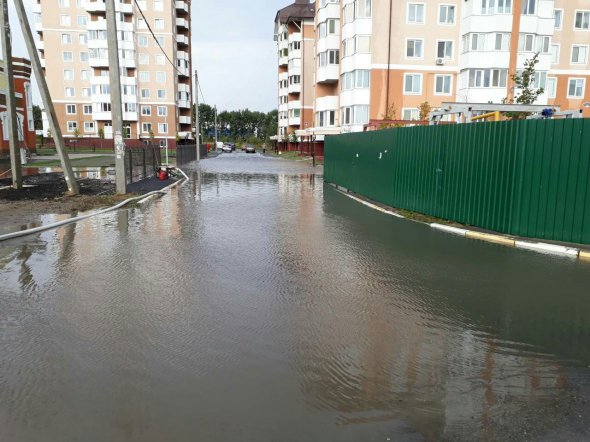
(257, 303)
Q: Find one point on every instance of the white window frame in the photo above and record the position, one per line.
(144, 126)
(162, 114)
(84, 20)
(86, 125)
(585, 61)
(163, 126)
(447, 5)
(73, 92)
(413, 74)
(421, 57)
(63, 56)
(73, 76)
(146, 111)
(85, 107)
(71, 126)
(65, 20)
(157, 22)
(411, 110)
(71, 109)
(560, 27)
(408, 13)
(68, 38)
(452, 49)
(581, 11)
(142, 95)
(526, 4)
(555, 80)
(575, 97)
(450, 85)
(144, 39)
(558, 53)
(158, 94)
(144, 76)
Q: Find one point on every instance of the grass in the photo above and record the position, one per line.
(102, 161)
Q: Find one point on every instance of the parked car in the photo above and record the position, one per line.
(250, 148)
(226, 148)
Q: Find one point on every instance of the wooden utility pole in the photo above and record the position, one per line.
(12, 123)
(46, 98)
(116, 104)
(197, 122)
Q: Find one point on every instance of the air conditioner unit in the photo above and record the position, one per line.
(440, 61)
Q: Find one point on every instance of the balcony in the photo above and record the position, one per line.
(40, 45)
(182, 55)
(182, 71)
(99, 25)
(184, 88)
(182, 40)
(184, 120)
(181, 6)
(127, 63)
(98, 44)
(328, 74)
(39, 27)
(96, 6)
(130, 116)
(42, 60)
(295, 121)
(295, 88)
(184, 104)
(102, 116)
(182, 23)
(98, 62)
(36, 8)
(283, 61)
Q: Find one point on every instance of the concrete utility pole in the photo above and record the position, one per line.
(215, 127)
(197, 122)
(11, 119)
(46, 98)
(116, 105)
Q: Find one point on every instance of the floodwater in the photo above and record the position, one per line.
(255, 303)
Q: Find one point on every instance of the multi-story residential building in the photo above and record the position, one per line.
(294, 34)
(155, 63)
(382, 59)
(24, 106)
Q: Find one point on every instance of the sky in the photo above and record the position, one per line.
(233, 51)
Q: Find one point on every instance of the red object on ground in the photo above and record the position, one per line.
(163, 175)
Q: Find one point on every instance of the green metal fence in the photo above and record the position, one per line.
(527, 178)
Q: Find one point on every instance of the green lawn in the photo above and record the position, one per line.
(102, 161)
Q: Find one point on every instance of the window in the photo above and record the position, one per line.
(582, 20)
(554, 53)
(66, 39)
(410, 114)
(82, 20)
(80, 3)
(159, 23)
(558, 15)
(89, 126)
(348, 13)
(144, 76)
(146, 127)
(146, 111)
(64, 20)
(87, 109)
(85, 75)
(161, 94)
(444, 49)
(363, 44)
(412, 84)
(478, 42)
(540, 80)
(446, 15)
(576, 87)
(144, 58)
(414, 48)
(160, 59)
(502, 42)
(415, 13)
(68, 74)
(362, 8)
(141, 24)
(488, 77)
(442, 84)
(526, 42)
(356, 79)
(68, 56)
(142, 41)
(64, 3)
(579, 54)
(83, 39)
(84, 57)
(163, 128)
(361, 114)
(161, 41)
(158, 5)
(86, 92)
(145, 93)
(162, 111)
(529, 7)
(70, 109)
(490, 7)
(551, 87)
(72, 126)
(161, 77)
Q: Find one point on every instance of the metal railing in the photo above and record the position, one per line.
(142, 162)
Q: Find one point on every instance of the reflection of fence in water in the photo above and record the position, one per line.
(142, 162)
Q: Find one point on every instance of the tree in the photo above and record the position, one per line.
(524, 83)
(425, 109)
(101, 133)
(37, 117)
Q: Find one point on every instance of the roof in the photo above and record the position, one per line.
(299, 9)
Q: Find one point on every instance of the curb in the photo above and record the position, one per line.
(503, 240)
(142, 198)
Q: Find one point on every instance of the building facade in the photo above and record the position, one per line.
(377, 60)
(24, 107)
(155, 61)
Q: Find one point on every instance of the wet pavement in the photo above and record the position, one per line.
(255, 303)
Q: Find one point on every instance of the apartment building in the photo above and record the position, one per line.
(24, 106)
(381, 59)
(155, 62)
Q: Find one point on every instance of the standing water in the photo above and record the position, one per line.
(255, 303)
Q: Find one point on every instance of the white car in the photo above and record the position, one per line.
(226, 148)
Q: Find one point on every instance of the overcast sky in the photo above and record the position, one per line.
(233, 49)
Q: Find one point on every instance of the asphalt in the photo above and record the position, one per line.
(149, 185)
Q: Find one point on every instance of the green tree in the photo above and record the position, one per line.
(425, 109)
(37, 117)
(525, 85)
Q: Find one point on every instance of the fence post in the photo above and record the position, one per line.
(144, 164)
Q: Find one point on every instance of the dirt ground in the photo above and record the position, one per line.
(49, 196)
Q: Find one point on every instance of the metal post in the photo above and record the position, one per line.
(116, 105)
(166, 138)
(46, 98)
(197, 122)
(11, 118)
(215, 127)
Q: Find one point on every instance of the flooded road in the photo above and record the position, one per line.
(255, 303)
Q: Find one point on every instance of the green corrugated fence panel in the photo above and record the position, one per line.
(527, 178)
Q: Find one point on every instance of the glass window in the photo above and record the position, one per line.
(146, 127)
(412, 83)
(68, 74)
(415, 13)
(554, 53)
(88, 126)
(442, 84)
(146, 111)
(68, 56)
(83, 39)
(64, 20)
(446, 15)
(444, 49)
(163, 128)
(410, 114)
(529, 7)
(82, 20)
(579, 54)
(576, 87)
(161, 77)
(363, 8)
(159, 23)
(162, 111)
(582, 20)
(414, 48)
(558, 15)
(551, 87)
(87, 109)
(72, 126)
(66, 39)
(161, 93)
(143, 41)
(70, 109)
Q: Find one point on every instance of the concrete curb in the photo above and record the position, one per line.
(504, 240)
